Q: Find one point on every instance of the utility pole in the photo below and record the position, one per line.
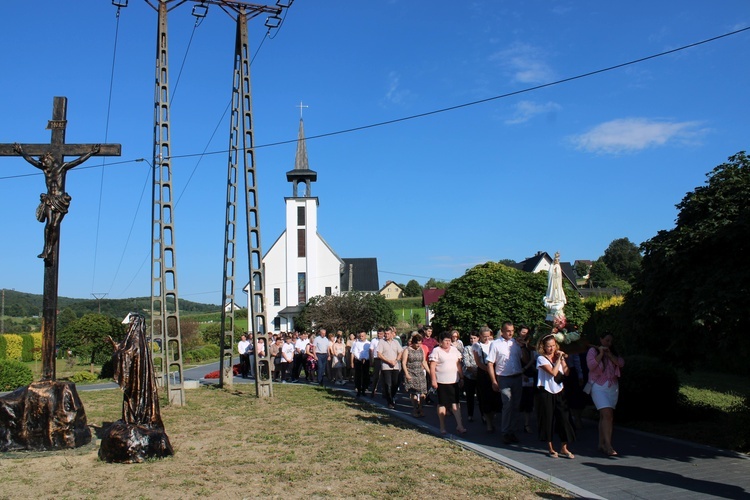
(241, 145)
(99, 297)
(165, 311)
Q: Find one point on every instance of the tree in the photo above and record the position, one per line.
(623, 258)
(491, 293)
(66, 317)
(602, 277)
(693, 288)
(350, 312)
(433, 283)
(582, 268)
(87, 337)
(412, 289)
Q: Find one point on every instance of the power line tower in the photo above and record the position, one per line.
(165, 311)
(241, 146)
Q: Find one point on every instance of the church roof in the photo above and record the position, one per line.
(301, 166)
(364, 275)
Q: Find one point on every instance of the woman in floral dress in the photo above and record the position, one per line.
(415, 378)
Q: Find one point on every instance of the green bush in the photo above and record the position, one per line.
(14, 375)
(27, 348)
(83, 376)
(108, 369)
(649, 389)
(13, 346)
(3, 347)
(203, 353)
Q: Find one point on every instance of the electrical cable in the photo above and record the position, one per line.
(198, 22)
(106, 137)
(488, 99)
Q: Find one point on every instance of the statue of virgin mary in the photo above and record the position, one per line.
(555, 299)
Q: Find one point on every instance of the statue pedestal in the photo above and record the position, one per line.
(128, 443)
(46, 415)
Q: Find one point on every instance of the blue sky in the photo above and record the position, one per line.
(565, 168)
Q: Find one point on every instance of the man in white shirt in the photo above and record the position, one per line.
(375, 362)
(320, 345)
(244, 357)
(505, 370)
(361, 363)
(300, 345)
(389, 353)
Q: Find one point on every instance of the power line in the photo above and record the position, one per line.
(489, 99)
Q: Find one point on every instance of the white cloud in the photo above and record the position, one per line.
(634, 134)
(395, 94)
(525, 62)
(526, 110)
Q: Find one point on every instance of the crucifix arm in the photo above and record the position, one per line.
(19, 149)
(94, 149)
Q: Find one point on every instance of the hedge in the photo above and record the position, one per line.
(20, 347)
(13, 375)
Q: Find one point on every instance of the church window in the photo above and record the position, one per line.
(277, 296)
(301, 288)
(301, 243)
(277, 323)
(328, 290)
(300, 216)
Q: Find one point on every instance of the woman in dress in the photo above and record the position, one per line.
(552, 410)
(415, 374)
(336, 351)
(604, 373)
(447, 377)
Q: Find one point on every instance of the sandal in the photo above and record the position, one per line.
(568, 454)
(552, 454)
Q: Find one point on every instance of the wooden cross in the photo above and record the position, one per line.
(53, 207)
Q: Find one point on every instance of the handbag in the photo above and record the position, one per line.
(587, 387)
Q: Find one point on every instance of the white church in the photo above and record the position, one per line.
(300, 264)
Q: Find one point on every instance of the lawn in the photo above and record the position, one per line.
(712, 411)
(304, 442)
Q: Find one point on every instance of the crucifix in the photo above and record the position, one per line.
(52, 208)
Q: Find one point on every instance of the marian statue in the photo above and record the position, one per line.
(555, 299)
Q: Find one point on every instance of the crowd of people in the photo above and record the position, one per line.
(508, 376)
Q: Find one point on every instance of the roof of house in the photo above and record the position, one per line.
(531, 264)
(364, 275)
(431, 295)
(389, 282)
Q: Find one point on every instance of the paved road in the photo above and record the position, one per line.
(648, 467)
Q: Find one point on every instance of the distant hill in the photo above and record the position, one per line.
(20, 304)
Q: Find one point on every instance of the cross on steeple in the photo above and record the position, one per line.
(300, 106)
(53, 207)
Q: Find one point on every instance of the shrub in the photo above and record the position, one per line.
(739, 424)
(27, 349)
(36, 337)
(13, 346)
(3, 346)
(108, 369)
(13, 375)
(649, 388)
(83, 376)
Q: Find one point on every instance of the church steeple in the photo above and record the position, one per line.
(301, 172)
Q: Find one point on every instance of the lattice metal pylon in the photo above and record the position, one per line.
(241, 144)
(165, 311)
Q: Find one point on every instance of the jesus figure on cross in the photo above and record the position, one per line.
(55, 202)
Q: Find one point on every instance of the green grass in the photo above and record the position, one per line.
(710, 411)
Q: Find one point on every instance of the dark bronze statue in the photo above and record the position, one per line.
(55, 202)
(140, 434)
(46, 415)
